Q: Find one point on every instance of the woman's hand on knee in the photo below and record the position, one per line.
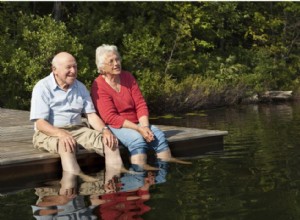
(146, 133)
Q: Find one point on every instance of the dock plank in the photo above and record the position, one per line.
(19, 158)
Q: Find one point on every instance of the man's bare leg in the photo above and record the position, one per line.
(113, 160)
(113, 167)
(68, 160)
(69, 164)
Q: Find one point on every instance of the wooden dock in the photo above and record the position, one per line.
(19, 160)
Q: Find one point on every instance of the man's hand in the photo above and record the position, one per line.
(146, 133)
(67, 141)
(109, 140)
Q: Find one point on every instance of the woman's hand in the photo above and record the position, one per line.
(109, 140)
(146, 132)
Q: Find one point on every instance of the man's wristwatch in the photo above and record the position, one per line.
(104, 128)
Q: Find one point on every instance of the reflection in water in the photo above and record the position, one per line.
(255, 177)
(62, 207)
(65, 200)
(121, 197)
(129, 201)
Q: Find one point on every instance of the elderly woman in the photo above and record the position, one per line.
(119, 101)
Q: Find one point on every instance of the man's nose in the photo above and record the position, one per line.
(73, 69)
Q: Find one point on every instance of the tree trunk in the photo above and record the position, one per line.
(57, 11)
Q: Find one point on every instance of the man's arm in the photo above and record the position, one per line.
(108, 139)
(95, 121)
(48, 129)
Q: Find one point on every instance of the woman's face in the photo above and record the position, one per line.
(112, 64)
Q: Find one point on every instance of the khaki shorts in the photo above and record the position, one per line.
(85, 137)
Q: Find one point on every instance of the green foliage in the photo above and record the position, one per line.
(185, 55)
(93, 29)
(142, 51)
(195, 92)
(29, 60)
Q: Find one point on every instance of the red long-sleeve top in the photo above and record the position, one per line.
(114, 107)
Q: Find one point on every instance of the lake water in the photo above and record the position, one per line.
(256, 176)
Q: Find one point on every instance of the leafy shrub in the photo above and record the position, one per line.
(164, 94)
(30, 58)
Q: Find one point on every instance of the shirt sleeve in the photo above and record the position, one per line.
(40, 108)
(140, 103)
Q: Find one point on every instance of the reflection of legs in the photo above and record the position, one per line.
(68, 184)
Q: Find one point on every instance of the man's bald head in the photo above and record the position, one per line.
(64, 68)
(61, 58)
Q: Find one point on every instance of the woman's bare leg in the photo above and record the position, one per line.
(167, 156)
(164, 155)
(141, 160)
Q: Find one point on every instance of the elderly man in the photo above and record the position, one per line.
(57, 104)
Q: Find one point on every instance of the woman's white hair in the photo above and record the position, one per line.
(101, 52)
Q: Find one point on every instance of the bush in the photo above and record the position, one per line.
(30, 58)
(195, 92)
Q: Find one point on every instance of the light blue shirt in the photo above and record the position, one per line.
(60, 108)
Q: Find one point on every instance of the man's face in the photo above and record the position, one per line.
(65, 71)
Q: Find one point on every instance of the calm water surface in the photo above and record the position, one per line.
(256, 176)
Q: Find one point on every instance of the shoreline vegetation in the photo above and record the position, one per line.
(186, 56)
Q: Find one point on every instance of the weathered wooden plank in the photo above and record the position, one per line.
(18, 152)
(20, 161)
(11, 117)
(277, 95)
